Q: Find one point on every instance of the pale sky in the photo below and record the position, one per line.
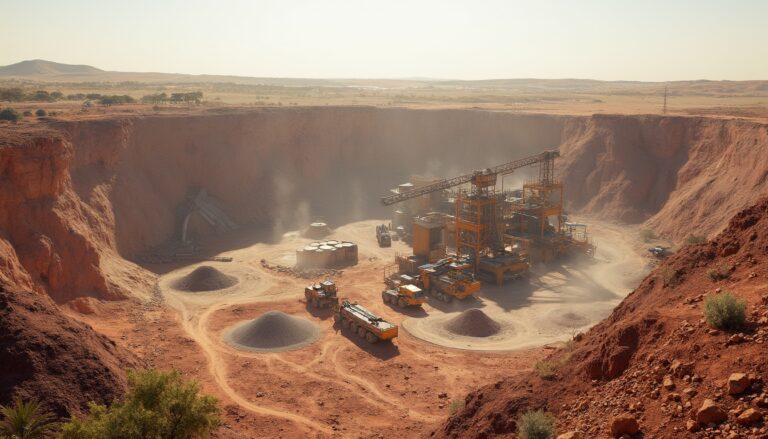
(646, 40)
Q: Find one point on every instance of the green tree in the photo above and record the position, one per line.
(40, 113)
(10, 114)
(11, 94)
(25, 420)
(158, 405)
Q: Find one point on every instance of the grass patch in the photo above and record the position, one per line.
(725, 311)
(455, 406)
(545, 369)
(536, 425)
(723, 271)
(695, 239)
(670, 277)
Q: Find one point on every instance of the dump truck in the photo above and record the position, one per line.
(404, 295)
(321, 295)
(383, 236)
(448, 279)
(364, 323)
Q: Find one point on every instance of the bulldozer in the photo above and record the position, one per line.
(322, 294)
(404, 295)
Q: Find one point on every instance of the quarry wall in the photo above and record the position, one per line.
(81, 198)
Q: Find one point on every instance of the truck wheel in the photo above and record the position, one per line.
(385, 297)
(345, 323)
(401, 303)
(361, 332)
(337, 317)
(370, 338)
(447, 298)
(315, 303)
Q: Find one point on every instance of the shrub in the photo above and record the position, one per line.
(25, 420)
(647, 235)
(723, 271)
(545, 369)
(671, 278)
(27, 113)
(536, 425)
(10, 114)
(695, 239)
(157, 405)
(40, 113)
(456, 405)
(725, 311)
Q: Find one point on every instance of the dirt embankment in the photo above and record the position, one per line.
(80, 197)
(50, 357)
(679, 175)
(655, 360)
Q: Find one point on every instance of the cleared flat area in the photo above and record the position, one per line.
(315, 388)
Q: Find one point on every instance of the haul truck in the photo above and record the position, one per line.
(321, 294)
(404, 295)
(447, 279)
(364, 323)
(383, 236)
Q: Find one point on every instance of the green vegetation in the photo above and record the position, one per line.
(456, 405)
(536, 425)
(195, 96)
(695, 239)
(157, 98)
(158, 405)
(116, 100)
(671, 278)
(725, 311)
(40, 113)
(545, 369)
(648, 235)
(25, 420)
(723, 271)
(27, 113)
(10, 114)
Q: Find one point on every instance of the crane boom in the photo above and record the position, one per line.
(447, 183)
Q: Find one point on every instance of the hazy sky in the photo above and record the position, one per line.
(467, 39)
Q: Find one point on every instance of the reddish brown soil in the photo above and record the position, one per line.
(55, 359)
(620, 364)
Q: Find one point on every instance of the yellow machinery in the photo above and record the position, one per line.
(321, 294)
(358, 320)
(447, 279)
(404, 295)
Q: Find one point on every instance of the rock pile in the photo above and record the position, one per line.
(204, 278)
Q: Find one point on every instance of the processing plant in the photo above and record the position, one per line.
(496, 232)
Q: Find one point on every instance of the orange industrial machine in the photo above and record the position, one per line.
(448, 278)
(499, 233)
(364, 323)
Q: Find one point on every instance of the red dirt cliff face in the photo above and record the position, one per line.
(680, 175)
(50, 357)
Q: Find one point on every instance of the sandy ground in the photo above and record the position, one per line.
(554, 302)
(341, 386)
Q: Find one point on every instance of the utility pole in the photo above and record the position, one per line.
(664, 110)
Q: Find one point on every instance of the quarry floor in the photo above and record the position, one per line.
(340, 386)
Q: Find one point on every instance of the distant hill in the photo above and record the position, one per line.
(42, 67)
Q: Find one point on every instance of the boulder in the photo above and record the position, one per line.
(624, 424)
(749, 416)
(738, 383)
(710, 412)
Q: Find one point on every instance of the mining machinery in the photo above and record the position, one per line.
(487, 223)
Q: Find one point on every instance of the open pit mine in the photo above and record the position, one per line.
(370, 272)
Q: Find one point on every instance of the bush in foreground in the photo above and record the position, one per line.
(545, 369)
(25, 420)
(157, 405)
(536, 425)
(725, 311)
(695, 239)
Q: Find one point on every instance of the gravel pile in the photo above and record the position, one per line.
(204, 278)
(472, 323)
(272, 331)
